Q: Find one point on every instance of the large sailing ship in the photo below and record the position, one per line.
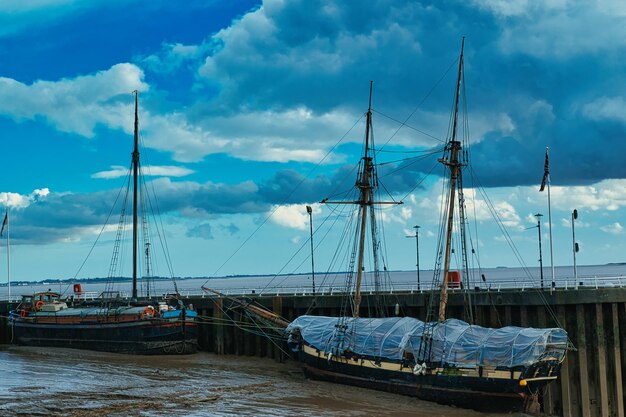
(110, 323)
(440, 359)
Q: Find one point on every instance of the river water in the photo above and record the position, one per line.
(76, 383)
(495, 278)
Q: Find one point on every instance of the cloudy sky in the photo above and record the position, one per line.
(250, 110)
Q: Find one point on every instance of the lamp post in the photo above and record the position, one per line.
(310, 211)
(538, 216)
(417, 253)
(574, 245)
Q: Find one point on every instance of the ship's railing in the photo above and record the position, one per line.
(86, 296)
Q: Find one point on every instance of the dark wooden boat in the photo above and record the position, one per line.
(133, 326)
(142, 329)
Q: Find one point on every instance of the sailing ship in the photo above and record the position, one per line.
(111, 323)
(440, 359)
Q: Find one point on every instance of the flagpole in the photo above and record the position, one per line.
(550, 228)
(8, 254)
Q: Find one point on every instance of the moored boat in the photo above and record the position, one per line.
(448, 362)
(43, 319)
(110, 324)
(440, 359)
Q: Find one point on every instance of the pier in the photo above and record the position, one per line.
(591, 381)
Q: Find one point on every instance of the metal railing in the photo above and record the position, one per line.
(501, 284)
(510, 284)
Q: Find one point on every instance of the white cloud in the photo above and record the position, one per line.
(20, 201)
(559, 29)
(507, 214)
(406, 213)
(293, 216)
(75, 105)
(78, 105)
(172, 56)
(606, 108)
(578, 224)
(613, 7)
(614, 229)
(261, 136)
(156, 171)
(504, 8)
(605, 195)
(476, 207)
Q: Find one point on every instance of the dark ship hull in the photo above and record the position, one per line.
(118, 330)
(498, 392)
(450, 362)
(155, 337)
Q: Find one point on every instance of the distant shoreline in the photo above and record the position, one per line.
(129, 279)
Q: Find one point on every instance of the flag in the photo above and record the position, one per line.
(4, 223)
(546, 173)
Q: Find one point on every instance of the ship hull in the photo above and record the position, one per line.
(140, 337)
(497, 394)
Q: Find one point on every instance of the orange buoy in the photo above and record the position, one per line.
(38, 305)
(149, 311)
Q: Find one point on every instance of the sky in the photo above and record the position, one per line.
(251, 110)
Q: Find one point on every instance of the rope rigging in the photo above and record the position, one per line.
(147, 212)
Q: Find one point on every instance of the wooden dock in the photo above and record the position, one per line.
(591, 382)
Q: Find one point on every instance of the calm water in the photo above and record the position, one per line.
(73, 383)
(588, 275)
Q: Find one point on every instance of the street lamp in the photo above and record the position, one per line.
(310, 211)
(417, 248)
(538, 216)
(574, 245)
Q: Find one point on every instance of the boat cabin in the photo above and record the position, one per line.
(46, 297)
(43, 301)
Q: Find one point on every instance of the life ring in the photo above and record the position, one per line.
(149, 311)
(23, 313)
(38, 305)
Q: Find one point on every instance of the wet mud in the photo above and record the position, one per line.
(75, 383)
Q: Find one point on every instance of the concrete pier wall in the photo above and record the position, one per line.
(591, 382)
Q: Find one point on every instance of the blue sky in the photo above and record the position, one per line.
(251, 110)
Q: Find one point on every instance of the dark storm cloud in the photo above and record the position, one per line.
(534, 64)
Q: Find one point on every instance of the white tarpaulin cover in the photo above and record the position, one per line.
(454, 342)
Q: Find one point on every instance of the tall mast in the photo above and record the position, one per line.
(135, 163)
(366, 190)
(365, 201)
(454, 146)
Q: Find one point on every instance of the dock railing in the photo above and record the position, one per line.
(496, 285)
(511, 284)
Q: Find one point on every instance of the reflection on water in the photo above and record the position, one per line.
(55, 382)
